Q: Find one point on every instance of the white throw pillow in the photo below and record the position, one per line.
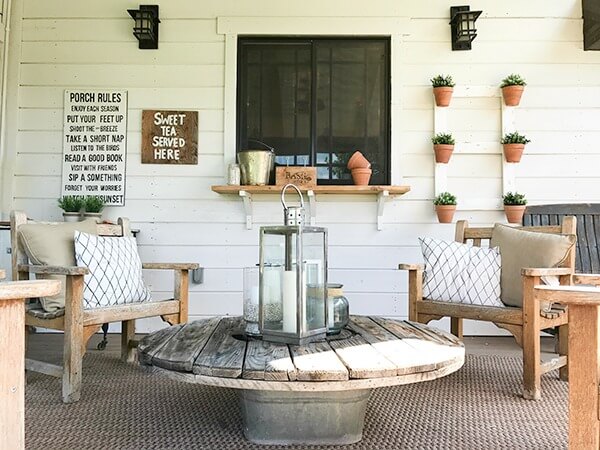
(115, 270)
(460, 273)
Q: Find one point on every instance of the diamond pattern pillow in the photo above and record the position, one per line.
(460, 273)
(115, 270)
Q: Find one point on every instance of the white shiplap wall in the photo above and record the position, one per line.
(69, 44)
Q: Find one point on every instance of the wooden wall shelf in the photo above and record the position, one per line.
(383, 193)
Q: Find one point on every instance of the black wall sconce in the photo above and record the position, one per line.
(146, 25)
(462, 27)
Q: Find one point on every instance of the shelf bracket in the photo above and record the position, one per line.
(247, 199)
(312, 206)
(382, 197)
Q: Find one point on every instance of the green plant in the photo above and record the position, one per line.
(514, 138)
(513, 80)
(445, 198)
(70, 203)
(93, 204)
(514, 199)
(443, 138)
(442, 81)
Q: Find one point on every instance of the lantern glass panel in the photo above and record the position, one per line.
(271, 275)
(313, 255)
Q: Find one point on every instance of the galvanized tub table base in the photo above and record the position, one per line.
(310, 418)
(303, 394)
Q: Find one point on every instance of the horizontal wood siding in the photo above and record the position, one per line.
(90, 45)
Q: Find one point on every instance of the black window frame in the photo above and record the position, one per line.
(311, 40)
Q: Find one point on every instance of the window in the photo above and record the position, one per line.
(316, 101)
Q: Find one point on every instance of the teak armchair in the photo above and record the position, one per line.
(523, 323)
(80, 324)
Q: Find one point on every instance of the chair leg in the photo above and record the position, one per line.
(127, 335)
(73, 339)
(72, 364)
(531, 341)
(456, 327)
(563, 349)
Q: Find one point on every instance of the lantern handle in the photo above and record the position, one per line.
(297, 190)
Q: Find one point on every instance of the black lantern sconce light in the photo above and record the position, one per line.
(146, 25)
(462, 26)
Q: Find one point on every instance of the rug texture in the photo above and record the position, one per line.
(124, 407)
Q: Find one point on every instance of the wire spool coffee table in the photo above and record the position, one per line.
(311, 394)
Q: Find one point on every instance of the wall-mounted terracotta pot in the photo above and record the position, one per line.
(512, 95)
(445, 213)
(513, 152)
(443, 152)
(442, 95)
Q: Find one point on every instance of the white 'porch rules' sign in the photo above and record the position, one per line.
(94, 144)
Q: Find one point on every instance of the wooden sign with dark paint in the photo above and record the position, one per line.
(169, 137)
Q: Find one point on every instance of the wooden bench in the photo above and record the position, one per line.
(524, 323)
(587, 256)
(80, 324)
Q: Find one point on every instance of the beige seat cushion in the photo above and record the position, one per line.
(520, 249)
(52, 244)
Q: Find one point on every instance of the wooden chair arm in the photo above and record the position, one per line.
(411, 266)
(170, 266)
(543, 272)
(569, 295)
(586, 278)
(53, 270)
(28, 289)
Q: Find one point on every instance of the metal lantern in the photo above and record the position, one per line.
(293, 278)
(145, 28)
(462, 27)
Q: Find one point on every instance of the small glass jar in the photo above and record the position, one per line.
(251, 301)
(338, 309)
(233, 174)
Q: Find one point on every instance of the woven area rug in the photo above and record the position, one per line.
(124, 407)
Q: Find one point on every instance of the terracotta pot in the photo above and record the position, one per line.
(514, 213)
(445, 213)
(358, 161)
(442, 95)
(512, 95)
(361, 177)
(513, 152)
(443, 152)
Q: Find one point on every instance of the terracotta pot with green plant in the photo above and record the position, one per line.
(443, 146)
(445, 206)
(71, 206)
(514, 206)
(93, 206)
(443, 86)
(512, 89)
(514, 145)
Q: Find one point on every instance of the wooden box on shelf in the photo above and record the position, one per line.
(298, 175)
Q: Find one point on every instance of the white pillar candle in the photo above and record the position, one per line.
(330, 312)
(272, 288)
(289, 301)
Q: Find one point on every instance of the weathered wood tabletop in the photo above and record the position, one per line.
(370, 352)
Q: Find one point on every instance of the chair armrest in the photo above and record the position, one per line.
(543, 272)
(577, 295)
(410, 266)
(586, 278)
(170, 266)
(53, 270)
